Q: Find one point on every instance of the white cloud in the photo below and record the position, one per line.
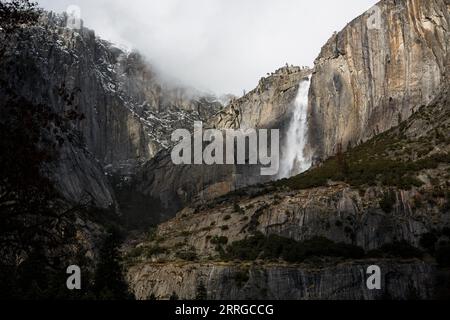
(219, 45)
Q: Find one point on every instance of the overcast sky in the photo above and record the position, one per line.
(224, 46)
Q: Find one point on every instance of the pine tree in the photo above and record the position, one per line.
(174, 297)
(109, 283)
(202, 293)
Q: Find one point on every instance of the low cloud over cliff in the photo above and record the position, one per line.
(224, 46)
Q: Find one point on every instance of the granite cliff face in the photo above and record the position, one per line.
(169, 188)
(379, 69)
(346, 281)
(128, 111)
(268, 106)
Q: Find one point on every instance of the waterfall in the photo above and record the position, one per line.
(295, 160)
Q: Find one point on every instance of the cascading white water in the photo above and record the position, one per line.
(295, 160)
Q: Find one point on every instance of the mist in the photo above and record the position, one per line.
(220, 46)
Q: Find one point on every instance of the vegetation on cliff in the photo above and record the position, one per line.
(391, 159)
(273, 248)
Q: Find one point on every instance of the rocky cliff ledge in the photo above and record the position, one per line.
(268, 106)
(385, 202)
(228, 281)
(377, 71)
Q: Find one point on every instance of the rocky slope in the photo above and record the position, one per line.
(379, 69)
(269, 105)
(394, 195)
